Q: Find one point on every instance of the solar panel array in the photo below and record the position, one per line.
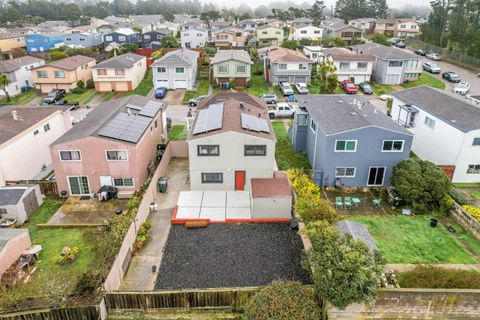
(254, 123)
(209, 119)
(125, 127)
(150, 109)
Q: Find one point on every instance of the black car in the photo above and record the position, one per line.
(111, 193)
(420, 52)
(55, 95)
(451, 76)
(365, 88)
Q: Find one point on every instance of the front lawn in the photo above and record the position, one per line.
(77, 97)
(381, 89)
(178, 132)
(404, 239)
(21, 98)
(202, 89)
(146, 85)
(425, 80)
(286, 157)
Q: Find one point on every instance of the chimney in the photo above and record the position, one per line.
(242, 105)
(15, 116)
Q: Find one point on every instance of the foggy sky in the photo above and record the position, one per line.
(256, 3)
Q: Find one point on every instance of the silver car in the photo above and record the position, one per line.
(286, 88)
(269, 98)
(433, 56)
(301, 87)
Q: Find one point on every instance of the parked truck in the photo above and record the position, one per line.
(281, 110)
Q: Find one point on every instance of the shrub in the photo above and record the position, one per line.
(143, 235)
(90, 84)
(283, 300)
(210, 50)
(457, 196)
(134, 203)
(88, 282)
(472, 210)
(78, 90)
(57, 55)
(302, 184)
(68, 254)
(321, 211)
(424, 276)
(80, 84)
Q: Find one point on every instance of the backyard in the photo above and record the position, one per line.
(178, 132)
(286, 157)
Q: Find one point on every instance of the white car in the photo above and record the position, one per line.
(385, 97)
(433, 56)
(301, 87)
(281, 110)
(462, 88)
(431, 67)
(286, 88)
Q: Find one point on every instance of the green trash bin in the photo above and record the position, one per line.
(162, 184)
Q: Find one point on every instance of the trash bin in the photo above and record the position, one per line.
(433, 223)
(291, 98)
(227, 85)
(162, 184)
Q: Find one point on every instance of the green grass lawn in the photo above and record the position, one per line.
(404, 239)
(258, 86)
(178, 132)
(286, 157)
(146, 85)
(202, 89)
(21, 98)
(425, 80)
(381, 89)
(77, 97)
(467, 185)
(475, 194)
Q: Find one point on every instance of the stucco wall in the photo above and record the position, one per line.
(13, 249)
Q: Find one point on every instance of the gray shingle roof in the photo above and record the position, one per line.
(451, 109)
(181, 58)
(358, 232)
(10, 196)
(226, 55)
(126, 60)
(336, 113)
(17, 63)
(384, 52)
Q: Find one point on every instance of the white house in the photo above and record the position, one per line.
(355, 66)
(25, 134)
(313, 52)
(193, 38)
(19, 72)
(446, 130)
(176, 69)
(307, 32)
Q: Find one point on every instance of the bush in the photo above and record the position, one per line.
(80, 84)
(472, 210)
(305, 42)
(78, 90)
(424, 276)
(322, 210)
(90, 84)
(68, 254)
(143, 235)
(57, 55)
(457, 196)
(283, 300)
(88, 283)
(210, 50)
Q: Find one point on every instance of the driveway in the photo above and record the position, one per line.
(175, 96)
(178, 113)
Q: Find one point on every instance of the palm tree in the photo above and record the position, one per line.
(4, 82)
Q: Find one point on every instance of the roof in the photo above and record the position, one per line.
(383, 52)
(7, 234)
(336, 113)
(364, 20)
(451, 109)
(71, 63)
(358, 232)
(11, 195)
(337, 26)
(160, 30)
(343, 54)
(125, 31)
(11, 34)
(99, 118)
(271, 188)
(277, 55)
(126, 60)
(181, 57)
(15, 64)
(395, 20)
(49, 34)
(266, 26)
(303, 20)
(30, 116)
(226, 55)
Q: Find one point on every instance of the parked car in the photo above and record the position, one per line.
(195, 101)
(393, 41)
(451, 76)
(301, 87)
(281, 110)
(286, 88)
(269, 98)
(54, 95)
(160, 92)
(462, 88)
(431, 67)
(400, 44)
(348, 86)
(420, 52)
(433, 56)
(365, 88)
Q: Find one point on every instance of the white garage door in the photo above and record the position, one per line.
(359, 79)
(180, 84)
(342, 77)
(392, 79)
(161, 83)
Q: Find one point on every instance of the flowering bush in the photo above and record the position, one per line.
(143, 235)
(473, 211)
(68, 254)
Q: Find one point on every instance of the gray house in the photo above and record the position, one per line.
(153, 39)
(348, 141)
(176, 69)
(121, 36)
(83, 40)
(285, 65)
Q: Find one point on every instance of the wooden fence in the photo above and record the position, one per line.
(466, 220)
(70, 313)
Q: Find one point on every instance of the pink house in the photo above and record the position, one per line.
(113, 145)
(13, 242)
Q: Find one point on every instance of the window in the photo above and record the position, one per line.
(46, 127)
(255, 150)
(161, 69)
(302, 120)
(344, 65)
(122, 38)
(35, 132)
(395, 63)
(146, 36)
(316, 32)
(241, 69)
(102, 72)
(222, 69)
(392, 146)
(278, 32)
(108, 38)
(68, 39)
(3, 211)
(78, 185)
(123, 182)
(264, 32)
(476, 142)
(302, 66)
(212, 177)
(429, 122)
(72, 155)
(362, 65)
(208, 150)
(119, 72)
(117, 155)
(313, 126)
(473, 169)
(156, 123)
(403, 26)
(82, 39)
(303, 31)
(346, 145)
(344, 172)
(42, 74)
(179, 70)
(59, 74)
(282, 66)
(159, 36)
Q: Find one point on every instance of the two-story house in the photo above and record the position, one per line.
(313, 52)
(39, 42)
(349, 34)
(229, 37)
(63, 73)
(176, 69)
(25, 134)
(392, 65)
(248, 25)
(232, 65)
(19, 73)
(303, 21)
(121, 36)
(10, 40)
(193, 38)
(285, 65)
(446, 130)
(113, 146)
(350, 66)
(394, 27)
(153, 39)
(348, 141)
(307, 32)
(83, 40)
(366, 24)
(120, 73)
(267, 35)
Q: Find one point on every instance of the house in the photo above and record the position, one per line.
(285, 65)
(269, 36)
(82, 29)
(172, 26)
(307, 32)
(392, 65)
(313, 52)
(121, 36)
(348, 141)
(232, 65)
(193, 38)
(19, 201)
(350, 66)
(153, 39)
(176, 69)
(349, 34)
(263, 52)
(120, 73)
(39, 42)
(218, 25)
(13, 242)
(276, 23)
(366, 24)
(303, 21)
(25, 133)
(248, 25)
(192, 25)
(83, 40)
(11, 40)
(395, 27)
(148, 22)
(19, 73)
(230, 37)
(53, 24)
(446, 130)
(63, 73)
(114, 145)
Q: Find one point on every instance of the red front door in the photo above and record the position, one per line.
(239, 180)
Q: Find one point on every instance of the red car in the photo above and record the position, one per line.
(348, 86)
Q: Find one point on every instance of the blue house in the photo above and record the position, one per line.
(348, 141)
(39, 42)
(153, 39)
(83, 40)
(121, 36)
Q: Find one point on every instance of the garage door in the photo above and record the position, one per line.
(161, 83)
(392, 79)
(223, 80)
(282, 79)
(240, 82)
(121, 86)
(359, 79)
(342, 77)
(300, 79)
(104, 86)
(180, 84)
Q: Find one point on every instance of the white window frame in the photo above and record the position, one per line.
(123, 182)
(346, 141)
(122, 38)
(393, 142)
(163, 68)
(383, 178)
(473, 171)
(59, 74)
(183, 70)
(222, 66)
(241, 66)
(303, 123)
(108, 38)
(70, 188)
(345, 174)
(215, 182)
(60, 155)
(431, 122)
(282, 66)
(116, 150)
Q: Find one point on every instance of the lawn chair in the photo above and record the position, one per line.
(376, 202)
(338, 203)
(348, 203)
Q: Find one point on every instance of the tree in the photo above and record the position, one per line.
(352, 9)
(379, 8)
(334, 42)
(283, 300)
(380, 38)
(169, 42)
(4, 82)
(122, 7)
(305, 41)
(345, 270)
(290, 44)
(208, 17)
(70, 12)
(327, 76)
(168, 16)
(420, 183)
(316, 12)
(57, 55)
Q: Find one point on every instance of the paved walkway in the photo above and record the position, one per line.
(409, 267)
(140, 275)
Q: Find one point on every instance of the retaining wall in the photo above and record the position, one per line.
(466, 221)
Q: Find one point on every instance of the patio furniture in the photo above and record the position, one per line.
(338, 202)
(376, 202)
(356, 203)
(348, 203)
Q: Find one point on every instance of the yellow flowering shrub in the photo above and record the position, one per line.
(472, 210)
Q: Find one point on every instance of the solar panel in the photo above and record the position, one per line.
(209, 119)
(125, 127)
(150, 109)
(254, 123)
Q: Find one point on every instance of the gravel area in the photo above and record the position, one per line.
(231, 255)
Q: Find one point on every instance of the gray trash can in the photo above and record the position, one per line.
(162, 184)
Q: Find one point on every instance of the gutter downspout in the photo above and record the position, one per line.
(315, 151)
